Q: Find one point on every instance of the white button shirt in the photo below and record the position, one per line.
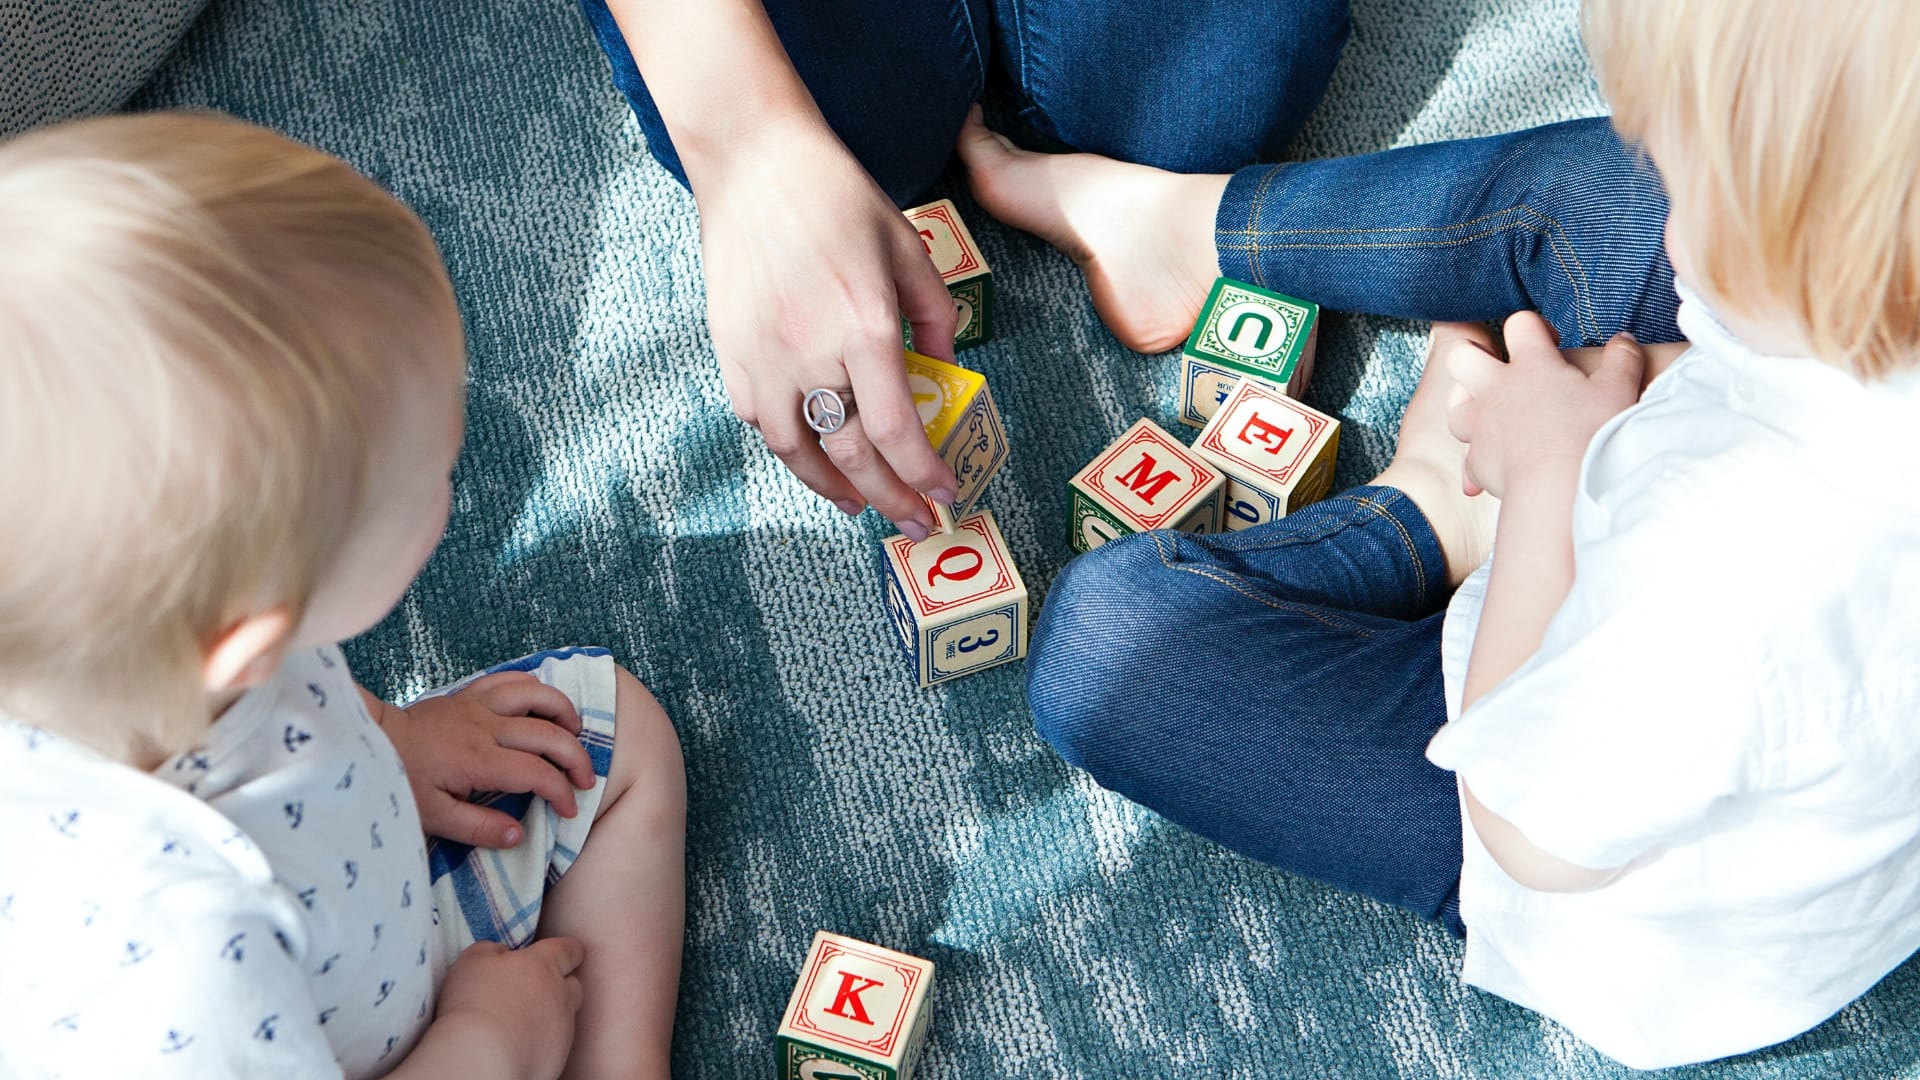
(1728, 703)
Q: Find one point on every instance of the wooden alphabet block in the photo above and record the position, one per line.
(859, 1012)
(956, 600)
(1245, 331)
(1277, 453)
(1145, 480)
(961, 266)
(956, 408)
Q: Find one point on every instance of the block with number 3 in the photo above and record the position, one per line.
(1145, 480)
(1245, 331)
(859, 1012)
(1277, 453)
(956, 600)
(961, 267)
(957, 411)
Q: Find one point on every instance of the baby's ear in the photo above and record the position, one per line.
(246, 653)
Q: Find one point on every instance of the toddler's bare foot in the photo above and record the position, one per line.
(1143, 237)
(1427, 462)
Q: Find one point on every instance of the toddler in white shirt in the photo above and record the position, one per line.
(231, 396)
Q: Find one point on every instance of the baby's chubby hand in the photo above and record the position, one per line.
(1534, 414)
(502, 732)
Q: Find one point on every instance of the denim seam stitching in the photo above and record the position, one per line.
(1555, 233)
(1253, 218)
(1406, 538)
(975, 63)
(1233, 582)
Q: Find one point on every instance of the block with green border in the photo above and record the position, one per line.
(963, 269)
(1146, 479)
(859, 1012)
(1245, 331)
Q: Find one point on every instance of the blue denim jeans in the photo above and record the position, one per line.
(1562, 219)
(1273, 690)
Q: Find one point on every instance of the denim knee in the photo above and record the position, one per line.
(1105, 632)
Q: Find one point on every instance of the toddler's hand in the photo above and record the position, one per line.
(522, 1000)
(1538, 411)
(503, 732)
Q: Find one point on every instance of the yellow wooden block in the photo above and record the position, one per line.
(942, 393)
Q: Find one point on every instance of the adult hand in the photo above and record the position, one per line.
(502, 732)
(1538, 411)
(520, 1001)
(809, 268)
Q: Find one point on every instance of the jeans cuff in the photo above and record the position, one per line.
(1236, 238)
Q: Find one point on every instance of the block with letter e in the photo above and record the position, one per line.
(957, 411)
(956, 600)
(1277, 453)
(961, 267)
(1245, 331)
(859, 1012)
(1146, 479)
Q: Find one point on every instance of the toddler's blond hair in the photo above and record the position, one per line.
(1786, 132)
(203, 330)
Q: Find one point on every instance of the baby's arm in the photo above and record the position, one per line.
(503, 732)
(1528, 423)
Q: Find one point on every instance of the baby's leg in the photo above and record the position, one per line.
(1560, 219)
(625, 897)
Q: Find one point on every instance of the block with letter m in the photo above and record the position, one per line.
(1146, 479)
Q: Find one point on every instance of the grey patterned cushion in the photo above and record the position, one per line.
(66, 58)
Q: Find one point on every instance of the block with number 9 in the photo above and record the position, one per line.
(1277, 453)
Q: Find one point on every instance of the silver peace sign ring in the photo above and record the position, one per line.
(825, 410)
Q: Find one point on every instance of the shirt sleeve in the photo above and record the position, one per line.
(1638, 721)
(204, 980)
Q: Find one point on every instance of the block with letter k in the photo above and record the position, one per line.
(859, 1012)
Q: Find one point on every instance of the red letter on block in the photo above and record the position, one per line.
(1144, 482)
(849, 997)
(1267, 431)
(939, 568)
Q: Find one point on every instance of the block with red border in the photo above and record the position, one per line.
(962, 267)
(1277, 453)
(1245, 332)
(956, 600)
(1146, 479)
(859, 1012)
(957, 410)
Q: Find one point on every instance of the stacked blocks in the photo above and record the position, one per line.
(1245, 331)
(1277, 453)
(1145, 480)
(956, 408)
(961, 267)
(859, 1012)
(956, 600)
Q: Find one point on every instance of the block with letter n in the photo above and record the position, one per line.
(1146, 479)
(957, 411)
(1277, 453)
(956, 600)
(1245, 331)
(961, 267)
(859, 1012)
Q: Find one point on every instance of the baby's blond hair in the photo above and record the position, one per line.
(1785, 130)
(203, 330)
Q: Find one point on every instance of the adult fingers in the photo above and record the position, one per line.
(797, 446)
(549, 741)
(891, 421)
(468, 823)
(521, 693)
(924, 300)
(508, 770)
(855, 455)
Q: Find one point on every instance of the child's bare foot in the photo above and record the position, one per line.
(1427, 462)
(1143, 237)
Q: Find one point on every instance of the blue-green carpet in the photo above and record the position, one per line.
(608, 496)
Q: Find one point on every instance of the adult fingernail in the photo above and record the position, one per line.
(849, 507)
(944, 495)
(914, 531)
